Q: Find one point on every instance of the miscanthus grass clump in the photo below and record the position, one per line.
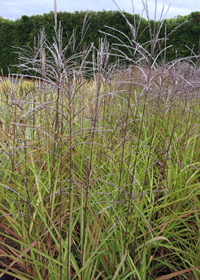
(100, 166)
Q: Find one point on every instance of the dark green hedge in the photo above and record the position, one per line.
(21, 33)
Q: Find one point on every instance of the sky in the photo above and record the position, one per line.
(14, 9)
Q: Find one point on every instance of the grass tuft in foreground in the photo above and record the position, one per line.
(100, 167)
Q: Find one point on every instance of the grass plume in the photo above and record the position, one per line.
(100, 163)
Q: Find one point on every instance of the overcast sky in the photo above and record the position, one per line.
(14, 9)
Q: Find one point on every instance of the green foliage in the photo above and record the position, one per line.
(22, 32)
(99, 177)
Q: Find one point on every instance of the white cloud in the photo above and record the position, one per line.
(15, 9)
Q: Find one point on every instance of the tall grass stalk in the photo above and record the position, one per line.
(100, 163)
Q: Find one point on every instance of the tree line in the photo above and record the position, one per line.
(182, 32)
